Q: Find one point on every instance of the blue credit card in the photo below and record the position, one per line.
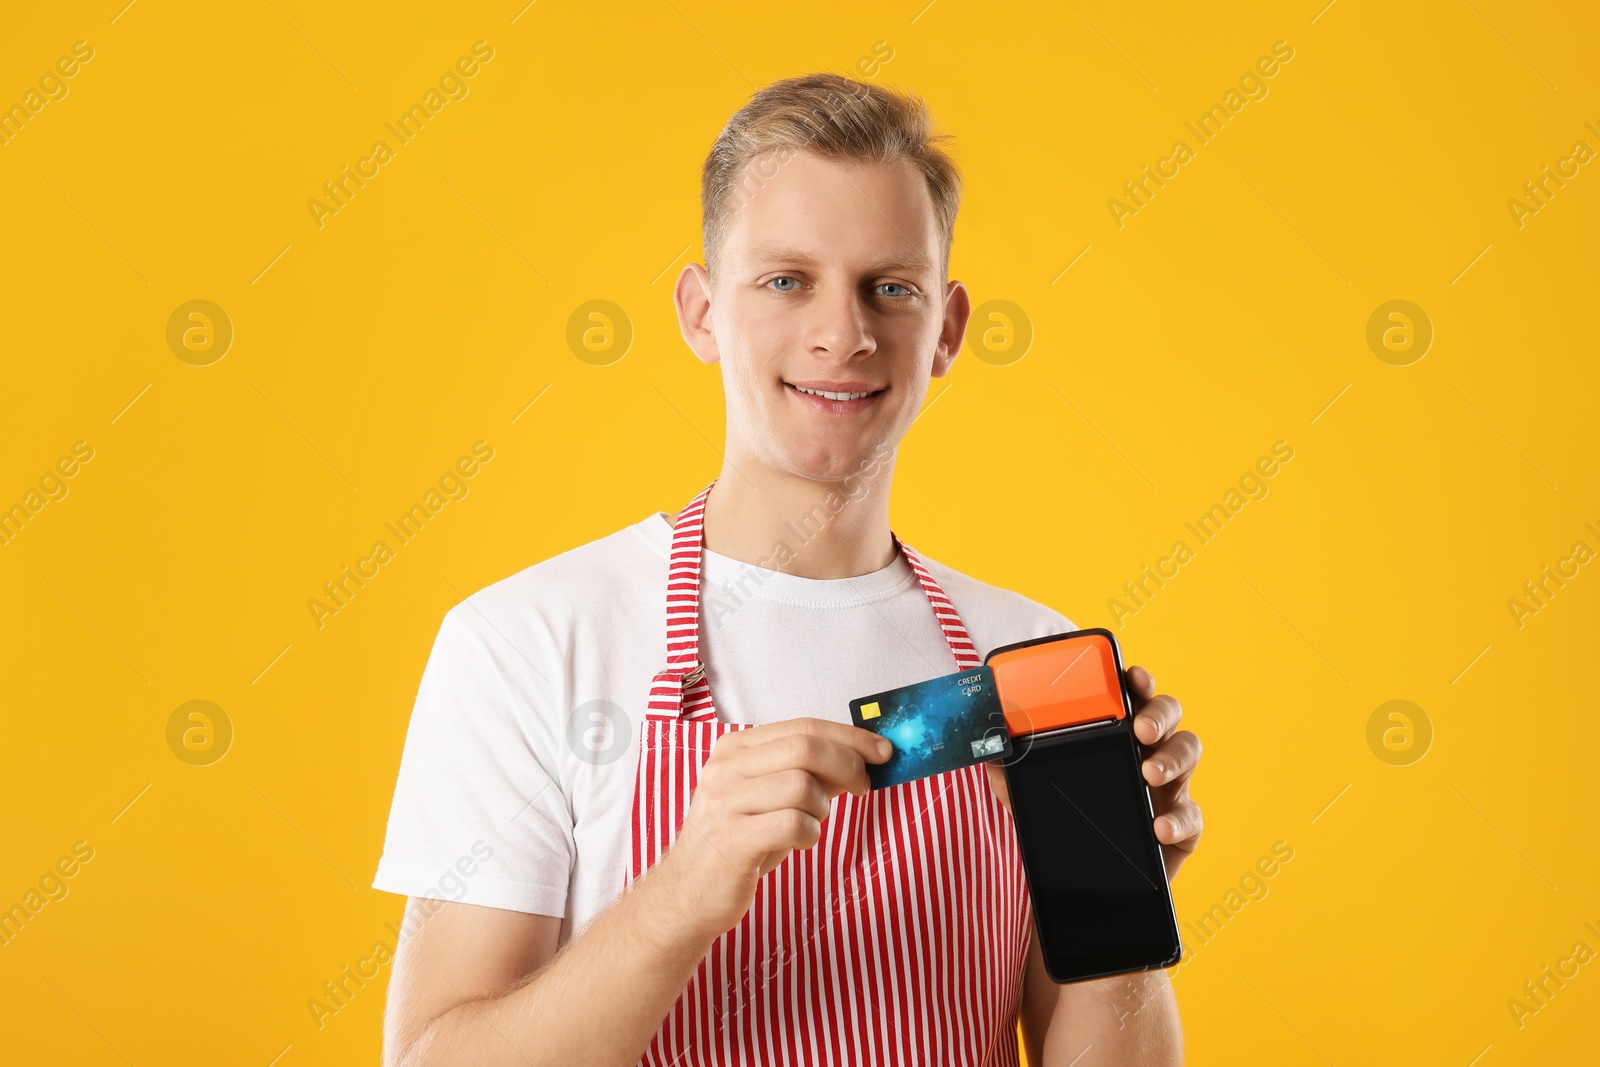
(935, 726)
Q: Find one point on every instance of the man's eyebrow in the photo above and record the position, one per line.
(894, 262)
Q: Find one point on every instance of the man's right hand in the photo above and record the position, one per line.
(763, 793)
(485, 985)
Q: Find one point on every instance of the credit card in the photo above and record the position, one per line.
(939, 725)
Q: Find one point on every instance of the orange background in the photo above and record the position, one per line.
(1144, 368)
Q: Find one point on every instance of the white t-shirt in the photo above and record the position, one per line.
(516, 783)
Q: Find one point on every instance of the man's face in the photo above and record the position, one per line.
(829, 280)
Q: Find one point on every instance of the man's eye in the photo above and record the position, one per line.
(792, 281)
(895, 285)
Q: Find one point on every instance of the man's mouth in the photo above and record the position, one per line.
(835, 398)
(834, 394)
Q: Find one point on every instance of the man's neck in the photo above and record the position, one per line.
(811, 529)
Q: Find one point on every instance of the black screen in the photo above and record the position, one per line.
(1100, 893)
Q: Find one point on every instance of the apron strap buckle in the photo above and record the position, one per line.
(669, 689)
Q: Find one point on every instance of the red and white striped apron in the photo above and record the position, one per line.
(899, 938)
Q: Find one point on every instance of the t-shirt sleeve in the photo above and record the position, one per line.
(479, 814)
(1058, 624)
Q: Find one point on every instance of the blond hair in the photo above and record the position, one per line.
(835, 117)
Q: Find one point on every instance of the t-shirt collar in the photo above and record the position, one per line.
(753, 580)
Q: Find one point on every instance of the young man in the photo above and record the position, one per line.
(638, 870)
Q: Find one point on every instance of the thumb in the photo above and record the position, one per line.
(997, 782)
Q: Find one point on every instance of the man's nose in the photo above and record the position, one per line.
(839, 324)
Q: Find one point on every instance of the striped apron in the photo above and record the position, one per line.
(899, 938)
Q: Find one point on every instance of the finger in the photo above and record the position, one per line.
(791, 788)
(1140, 684)
(778, 831)
(836, 766)
(1173, 760)
(771, 862)
(1180, 825)
(998, 783)
(873, 747)
(1157, 718)
(1162, 797)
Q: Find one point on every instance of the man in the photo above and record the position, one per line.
(633, 761)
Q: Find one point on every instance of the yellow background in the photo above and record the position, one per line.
(427, 314)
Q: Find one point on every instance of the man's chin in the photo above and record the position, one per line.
(834, 464)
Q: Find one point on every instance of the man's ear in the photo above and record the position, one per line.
(957, 311)
(692, 295)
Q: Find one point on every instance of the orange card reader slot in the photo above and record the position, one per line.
(1058, 683)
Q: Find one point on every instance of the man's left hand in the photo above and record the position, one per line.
(1169, 759)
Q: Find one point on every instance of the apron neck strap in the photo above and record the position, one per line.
(682, 686)
(681, 689)
(955, 631)
(683, 586)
